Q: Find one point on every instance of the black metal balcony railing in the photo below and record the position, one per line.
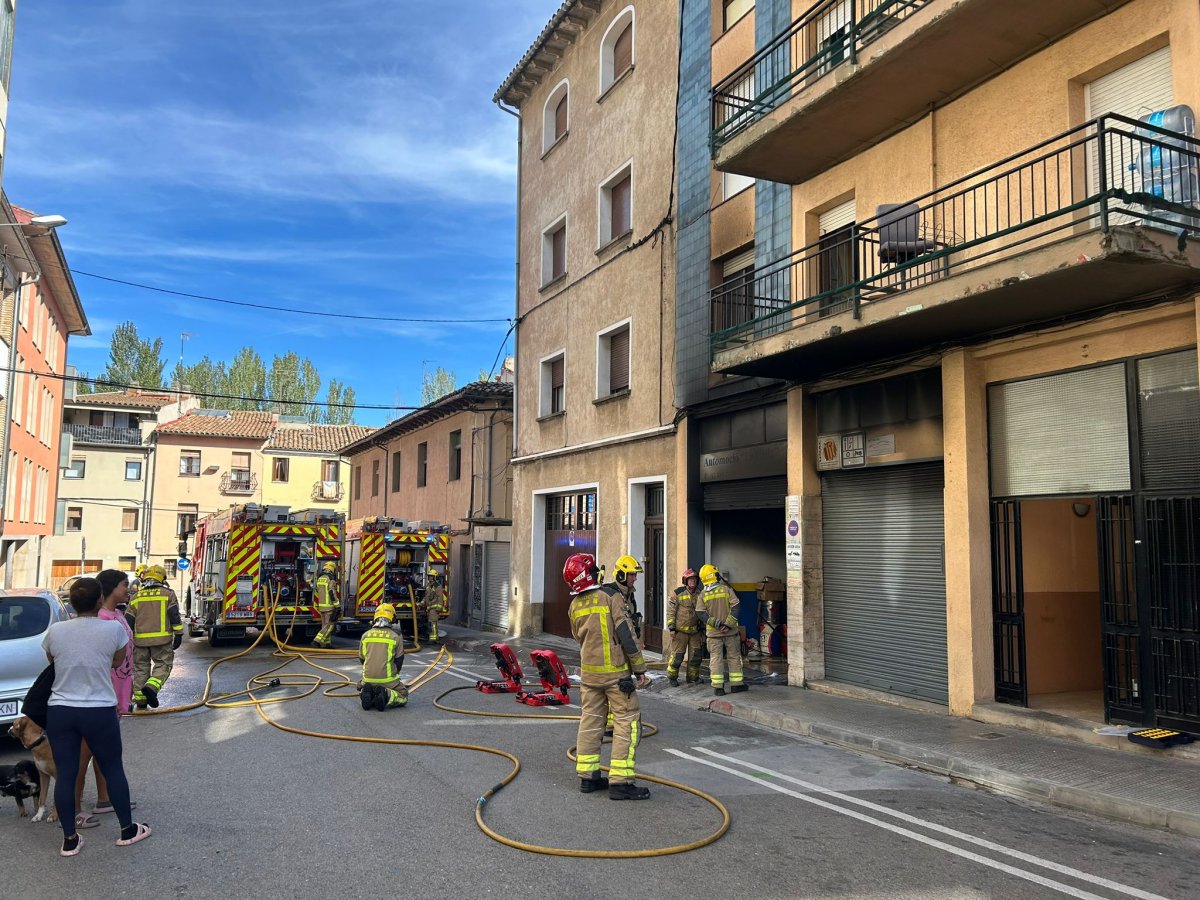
(239, 483)
(829, 33)
(104, 434)
(1113, 170)
(327, 490)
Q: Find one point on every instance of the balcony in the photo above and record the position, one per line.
(106, 435)
(1104, 214)
(239, 482)
(328, 491)
(848, 73)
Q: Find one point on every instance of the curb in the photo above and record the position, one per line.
(1025, 786)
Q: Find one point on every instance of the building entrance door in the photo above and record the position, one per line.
(570, 529)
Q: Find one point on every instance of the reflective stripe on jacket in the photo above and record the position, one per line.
(608, 649)
(681, 611)
(379, 651)
(154, 616)
(325, 592)
(722, 606)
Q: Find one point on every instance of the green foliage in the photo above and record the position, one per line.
(339, 393)
(133, 359)
(437, 384)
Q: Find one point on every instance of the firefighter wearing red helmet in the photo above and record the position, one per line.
(612, 668)
(687, 634)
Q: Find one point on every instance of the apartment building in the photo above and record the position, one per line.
(303, 466)
(104, 486)
(982, 297)
(449, 463)
(595, 440)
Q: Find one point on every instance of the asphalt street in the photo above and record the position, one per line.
(242, 809)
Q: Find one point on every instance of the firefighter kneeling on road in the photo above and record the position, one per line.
(718, 610)
(687, 634)
(153, 615)
(329, 604)
(382, 655)
(612, 669)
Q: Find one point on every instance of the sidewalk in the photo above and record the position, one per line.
(1136, 788)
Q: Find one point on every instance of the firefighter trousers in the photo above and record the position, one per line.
(725, 654)
(693, 646)
(397, 692)
(153, 665)
(627, 727)
(328, 618)
(433, 615)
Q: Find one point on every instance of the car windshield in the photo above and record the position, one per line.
(23, 617)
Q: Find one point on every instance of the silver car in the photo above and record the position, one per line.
(24, 617)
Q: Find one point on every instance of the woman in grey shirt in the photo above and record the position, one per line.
(83, 707)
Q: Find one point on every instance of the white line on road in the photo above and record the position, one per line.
(941, 829)
(896, 829)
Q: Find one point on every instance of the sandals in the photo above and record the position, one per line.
(83, 820)
(73, 851)
(141, 832)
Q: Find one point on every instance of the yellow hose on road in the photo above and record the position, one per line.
(311, 682)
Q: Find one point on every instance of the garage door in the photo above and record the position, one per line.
(62, 569)
(497, 582)
(747, 493)
(885, 582)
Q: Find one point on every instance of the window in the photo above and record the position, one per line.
(612, 361)
(733, 184)
(185, 519)
(555, 116)
(189, 463)
(455, 455)
(833, 35)
(98, 418)
(422, 455)
(239, 469)
(616, 206)
(554, 251)
(74, 518)
(374, 478)
(6, 41)
(133, 470)
(616, 49)
(356, 477)
(553, 380)
(126, 563)
(735, 303)
(19, 390)
(835, 259)
(279, 469)
(331, 470)
(77, 469)
(733, 12)
(129, 520)
(395, 471)
(27, 492)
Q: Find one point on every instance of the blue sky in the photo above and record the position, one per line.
(329, 156)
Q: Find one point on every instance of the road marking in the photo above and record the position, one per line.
(896, 829)
(942, 829)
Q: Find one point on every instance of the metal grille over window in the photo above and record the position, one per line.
(618, 370)
(1169, 420)
(571, 512)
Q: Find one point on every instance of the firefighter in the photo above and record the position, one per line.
(435, 602)
(329, 604)
(687, 634)
(718, 610)
(624, 582)
(612, 669)
(153, 616)
(382, 655)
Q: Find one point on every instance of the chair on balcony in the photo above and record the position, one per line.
(900, 240)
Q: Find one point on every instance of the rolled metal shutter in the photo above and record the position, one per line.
(497, 583)
(885, 580)
(746, 493)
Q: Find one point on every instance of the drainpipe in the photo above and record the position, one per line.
(490, 473)
(516, 114)
(153, 460)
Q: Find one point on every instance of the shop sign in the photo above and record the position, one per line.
(829, 452)
(854, 450)
(744, 462)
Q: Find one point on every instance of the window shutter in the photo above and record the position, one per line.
(560, 118)
(839, 217)
(618, 365)
(619, 201)
(623, 51)
(557, 379)
(558, 253)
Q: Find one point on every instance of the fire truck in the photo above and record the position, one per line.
(398, 562)
(249, 554)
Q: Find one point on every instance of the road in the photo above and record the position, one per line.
(242, 809)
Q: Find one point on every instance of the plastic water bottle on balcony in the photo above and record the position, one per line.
(1166, 172)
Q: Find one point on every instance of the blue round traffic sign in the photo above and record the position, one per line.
(183, 564)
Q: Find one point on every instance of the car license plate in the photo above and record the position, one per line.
(8, 709)
(239, 614)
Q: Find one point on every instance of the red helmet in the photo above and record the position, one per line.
(580, 572)
(688, 573)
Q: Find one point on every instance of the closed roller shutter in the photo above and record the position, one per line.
(497, 582)
(885, 581)
(748, 493)
(838, 217)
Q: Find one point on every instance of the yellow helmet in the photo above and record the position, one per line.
(627, 565)
(330, 567)
(709, 574)
(140, 572)
(156, 573)
(385, 611)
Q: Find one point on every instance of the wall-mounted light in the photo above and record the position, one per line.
(1081, 509)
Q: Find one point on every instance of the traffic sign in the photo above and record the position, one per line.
(183, 564)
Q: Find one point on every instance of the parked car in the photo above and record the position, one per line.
(24, 617)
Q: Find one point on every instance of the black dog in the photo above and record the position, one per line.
(20, 781)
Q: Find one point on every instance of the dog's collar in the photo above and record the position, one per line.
(37, 743)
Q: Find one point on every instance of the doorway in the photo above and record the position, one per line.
(654, 578)
(570, 529)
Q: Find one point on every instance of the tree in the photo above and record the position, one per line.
(338, 393)
(292, 383)
(205, 379)
(247, 380)
(134, 360)
(437, 384)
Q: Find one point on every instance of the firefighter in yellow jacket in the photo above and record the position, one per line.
(612, 669)
(328, 603)
(687, 634)
(157, 633)
(435, 602)
(382, 656)
(718, 610)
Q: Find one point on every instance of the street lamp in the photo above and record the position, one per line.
(47, 222)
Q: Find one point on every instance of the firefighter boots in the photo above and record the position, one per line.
(628, 791)
(594, 782)
(367, 697)
(673, 681)
(738, 688)
(719, 691)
